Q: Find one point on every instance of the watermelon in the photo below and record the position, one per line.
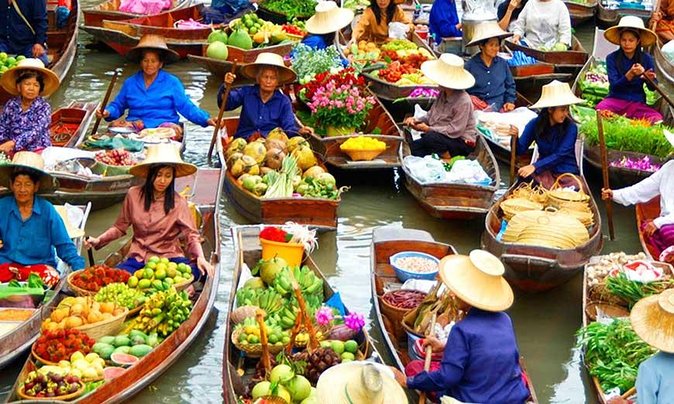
(112, 372)
(123, 359)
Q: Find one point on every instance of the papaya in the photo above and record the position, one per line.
(140, 350)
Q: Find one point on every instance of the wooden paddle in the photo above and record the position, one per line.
(228, 87)
(658, 89)
(513, 158)
(604, 174)
(105, 100)
(427, 359)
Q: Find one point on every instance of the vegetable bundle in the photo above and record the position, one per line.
(624, 134)
(290, 8)
(633, 291)
(308, 62)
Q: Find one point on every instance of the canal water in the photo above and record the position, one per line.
(545, 323)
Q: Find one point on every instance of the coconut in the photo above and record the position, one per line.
(313, 172)
(296, 141)
(237, 145)
(256, 150)
(278, 134)
(250, 166)
(305, 157)
(275, 144)
(274, 158)
(232, 159)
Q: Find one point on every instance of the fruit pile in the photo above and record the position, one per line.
(50, 385)
(363, 143)
(363, 52)
(347, 350)
(160, 274)
(250, 333)
(136, 343)
(115, 157)
(7, 62)
(290, 384)
(163, 312)
(404, 60)
(74, 312)
(98, 276)
(88, 368)
(265, 32)
(56, 346)
(317, 362)
(121, 295)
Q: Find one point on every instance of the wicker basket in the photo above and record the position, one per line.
(610, 310)
(41, 360)
(103, 328)
(558, 196)
(77, 290)
(513, 206)
(363, 155)
(254, 350)
(56, 398)
(395, 315)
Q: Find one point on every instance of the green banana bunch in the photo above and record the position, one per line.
(163, 312)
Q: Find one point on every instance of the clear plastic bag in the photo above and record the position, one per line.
(398, 30)
(426, 170)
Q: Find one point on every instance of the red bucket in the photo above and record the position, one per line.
(423, 33)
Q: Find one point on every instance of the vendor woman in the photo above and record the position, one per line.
(554, 133)
(480, 362)
(625, 68)
(494, 84)
(443, 21)
(325, 24)
(264, 107)
(373, 24)
(449, 126)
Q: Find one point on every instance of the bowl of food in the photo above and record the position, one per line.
(414, 265)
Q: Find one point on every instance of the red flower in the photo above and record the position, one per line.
(273, 234)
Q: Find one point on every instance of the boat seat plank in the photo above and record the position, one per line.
(203, 184)
(390, 233)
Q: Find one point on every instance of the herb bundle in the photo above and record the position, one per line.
(628, 135)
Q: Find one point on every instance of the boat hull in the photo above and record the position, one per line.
(581, 12)
(608, 18)
(109, 10)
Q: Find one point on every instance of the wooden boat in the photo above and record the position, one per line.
(581, 12)
(122, 35)
(61, 44)
(21, 338)
(457, 200)
(645, 212)
(607, 17)
(69, 124)
(665, 70)
(206, 185)
(109, 10)
(387, 241)
(378, 119)
(314, 212)
(237, 370)
(570, 61)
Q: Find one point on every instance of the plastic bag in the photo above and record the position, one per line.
(426, 170)
(398, 30)
(144, 7)
(668, 50)
(418, 114)
(468, 171)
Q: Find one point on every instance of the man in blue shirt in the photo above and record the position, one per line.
(444, 20)
(23, 28)
(31, 230)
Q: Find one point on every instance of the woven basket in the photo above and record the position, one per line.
(610, 310)
(395, 316)
(525, 190)
(103, 328)
(363, 155)
(40, 359)
(56, 398)
(557, 195)
(545, 228)
(254, 350)
(512, 206)
(77, 290)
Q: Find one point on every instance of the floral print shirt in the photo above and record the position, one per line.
(28, 129)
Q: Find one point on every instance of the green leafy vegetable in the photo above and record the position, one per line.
(629, 135)
(633, 291)
(290, 8)
(307, 62)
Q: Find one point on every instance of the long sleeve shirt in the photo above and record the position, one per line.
(15, 32)
(452, 115)
(480, 363)
(443, 19)
(154, 231)
(544, 23)
(494, 84)
(157, 104)
(28, 129)
(654, 379)
(660, 183)
(259, 116)
(619, 85)
(367, 28)
(38, 239)
(556, 148)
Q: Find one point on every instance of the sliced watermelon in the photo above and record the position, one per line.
(123, 359)
(112, 372)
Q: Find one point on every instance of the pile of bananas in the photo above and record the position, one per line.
(309, 283)
(267, 299)
(163, 312)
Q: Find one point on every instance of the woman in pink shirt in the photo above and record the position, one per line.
(160, 217)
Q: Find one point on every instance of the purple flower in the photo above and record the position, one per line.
(323, 316)
(354, 321)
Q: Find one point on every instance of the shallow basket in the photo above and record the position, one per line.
(610, 310)
(557, 196)
(40, 359)
(56, 398)
(77, 290)
(363, 155)
(103, 328)
(254, 350)
(394, 314)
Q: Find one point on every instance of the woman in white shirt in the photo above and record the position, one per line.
(543, 23)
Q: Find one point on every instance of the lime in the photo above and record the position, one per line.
(149, 273)
(338, 347)
(154, 258)
(139, 274)
(171, 272)
(273, 339)
(151, 265)
(348, 356)
(242, 337)
(253, 339)
(144, 283)
(172, 265)
(286, 340)
(169, 281)
(164, 260)
(351, 346)
(3, 55)
(160, 273)
(249, 24)
(162, 266)
(133, 282)
(20, 58)
(252, 31)
(11, 60)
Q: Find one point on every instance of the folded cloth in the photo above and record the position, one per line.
(114, 143)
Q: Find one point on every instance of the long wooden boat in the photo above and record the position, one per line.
(69, 124)
(646, 212)
(61, 44)
(109, 10)
(237, 369)
(387, 241)
(609, 17)
(21, 338)
(458, 200)
(314, 212)
(665, 70)
(570, 61)
(581, 12)
(206, 185)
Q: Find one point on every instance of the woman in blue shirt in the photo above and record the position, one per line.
(153, 97)
(480, 362)
(263, 106)
(554, 133)
(444, 20)
(323, 26)
(494, 84)
(31, 230)
(625, 67)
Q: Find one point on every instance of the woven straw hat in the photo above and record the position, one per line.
(31, 162)
(488, 30)
(163, 154)
(653, 320)
(556, 94)
(328, 18)
(51, 80)
(266, 59)
(358, 382)
(73, 232)
(630, 23)
(448, 72)
(156, 43)
(477, 279)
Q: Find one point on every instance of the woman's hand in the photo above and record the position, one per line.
(657, 16)
(7, 147)
(508, 106)
(213, 121)
(102, 113)
(526, 171)
(435, 344)
(606, 194)
(91, 242)
(516, 38)
(513, 4)
(650, 74)
(204, 266)
(650, 228)
(1, 244)
(306, 130)
(422, 127)
(635, 71)
(409, 121)
(399, 376)
(513, 131)
(38, 50)
(229, 78)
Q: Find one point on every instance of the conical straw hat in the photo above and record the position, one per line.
(630, 23)
(163, 154)
(477, 279)
(556, 94)
(28, 161)
(156, 43)
(448, 72)
(266, 59)
(653, 320)
(328, 18)
(488, 30)
(358, 382)
(51, 80)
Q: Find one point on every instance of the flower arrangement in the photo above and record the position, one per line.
(291, 233)
(338, 99)
(644, 164)
(326, 318)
